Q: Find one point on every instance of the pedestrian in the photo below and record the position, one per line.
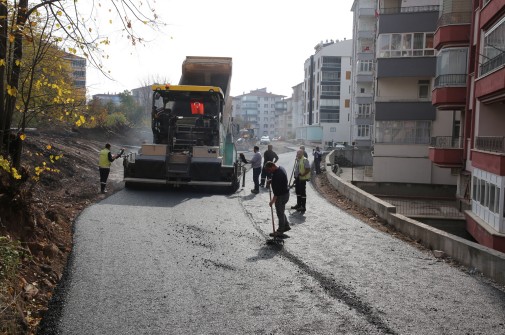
(317, 160)
(268, 156)
(104, 161)
(302, 175)
(280, 189)
(302, 147)
(255, 162)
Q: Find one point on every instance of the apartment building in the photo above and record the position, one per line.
(405, 119)
(283, 117)
(297, 108)
(475, 28)
(257, 110)
(327, 94)
(363, 54)
(78, 74)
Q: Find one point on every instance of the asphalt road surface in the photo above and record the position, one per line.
(188, 262)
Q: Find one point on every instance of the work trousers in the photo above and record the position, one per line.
(104, 175)
(256, 177)
(265, 176)
(280, 210)
(301, 192)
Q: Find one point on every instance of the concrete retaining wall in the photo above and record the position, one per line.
(489, 262)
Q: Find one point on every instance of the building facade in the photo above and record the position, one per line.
(405, 119)
(327, 94)
(78, 74)
(363, 66)
(474, 30)
(257, 110)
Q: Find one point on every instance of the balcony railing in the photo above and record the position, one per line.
(492, 64)
(411, 9)
(490, 143)
(455, 18)
(446, 142)
(450, 80)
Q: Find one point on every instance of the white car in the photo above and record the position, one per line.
(265, 140)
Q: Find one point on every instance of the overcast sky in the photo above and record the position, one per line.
(269, 41)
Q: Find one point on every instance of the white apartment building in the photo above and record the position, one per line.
(327, 94)
(257, 110)
(362, 93)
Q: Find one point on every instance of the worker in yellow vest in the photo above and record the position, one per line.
(104, 162)
(302, 175)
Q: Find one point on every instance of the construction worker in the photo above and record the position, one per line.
(302, 147)
(104, 162)
(302, 175)
(268, 156)
(255, 162)
(279, 183)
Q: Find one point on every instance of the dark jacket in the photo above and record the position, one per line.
(270, 156)
(279, 181)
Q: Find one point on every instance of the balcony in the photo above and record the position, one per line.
(410, 9)
(490, 12)
(490, 86)
(491, 64)
(450, 91)
(446, 151)
(453, 28)
(406, 67)
(489, 154)
(363, 12)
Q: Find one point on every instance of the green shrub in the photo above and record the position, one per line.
(10, 258)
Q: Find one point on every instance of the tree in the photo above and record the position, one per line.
(73, 31)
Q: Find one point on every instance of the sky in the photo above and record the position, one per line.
(268, 40)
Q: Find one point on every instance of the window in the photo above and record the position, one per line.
(451, 67)
(364, 131)
(330, 103)
(405, 45)
(78, 63)
(493, 53)
(331, 61)
(475, 189)
(403, 132)
(364, 110)
(331, 76)
(333, 129)
(486, 194)
(329, 116)
(347, 75)
(424, 88)
(365, 65)
(332, 90)
(347, 103)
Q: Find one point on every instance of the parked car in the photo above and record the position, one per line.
(265, 140)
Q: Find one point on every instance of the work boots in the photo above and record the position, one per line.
(298, 202)
(301, 208)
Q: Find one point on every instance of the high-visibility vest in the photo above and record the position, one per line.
(104, 162)
(301, 169)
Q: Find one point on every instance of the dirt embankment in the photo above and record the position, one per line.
(42, 214)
